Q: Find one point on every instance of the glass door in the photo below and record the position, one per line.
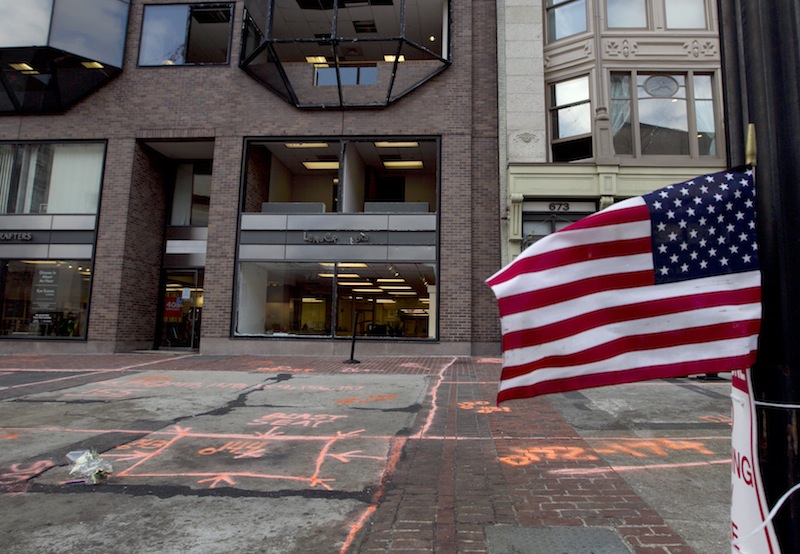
(182, 308)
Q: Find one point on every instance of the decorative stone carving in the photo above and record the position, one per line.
(697, 48)
(626, 49)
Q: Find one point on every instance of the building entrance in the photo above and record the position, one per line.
(181, 310)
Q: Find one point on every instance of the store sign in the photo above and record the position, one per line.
(15, 236)
(330, 238)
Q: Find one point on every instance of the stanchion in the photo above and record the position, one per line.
(352, 360)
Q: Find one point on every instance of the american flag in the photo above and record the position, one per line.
(662, 285)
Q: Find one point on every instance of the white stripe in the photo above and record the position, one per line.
(528, 282)
(552, 313)
(634, 360)
(607, 333)
(567, 238)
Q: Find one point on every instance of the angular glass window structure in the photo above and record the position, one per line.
(185, 34)
(344, 53)
(55, 52)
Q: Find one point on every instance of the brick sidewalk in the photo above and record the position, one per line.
(450, 482)
(459, 470)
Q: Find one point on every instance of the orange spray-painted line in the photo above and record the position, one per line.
(434, 400)
(395, 450)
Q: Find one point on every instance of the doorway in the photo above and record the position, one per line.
(182, 309)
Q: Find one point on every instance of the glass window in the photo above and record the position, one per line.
(565, 18)
(685, 14)
(24, 23)
(382, 49)
(43, 298)
(94, 29)
(348, 75)
(571, 119)
(318, 175)
(328, 299)
(50, 178)
(673, 114)
(704, 113)
(183, 34)
(626, 14)
(192, 194)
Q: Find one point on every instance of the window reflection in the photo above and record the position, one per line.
(94, 29)
(28, 26)
(565, 18)
(674, 114)
(50, 178)
(686, 14)
(571, 119)
(44, 298)
(183, 34)
(626, 14)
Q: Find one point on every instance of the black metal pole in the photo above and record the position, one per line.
(761, 50)
(352, 360)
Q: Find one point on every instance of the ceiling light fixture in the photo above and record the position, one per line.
(403, 164)
(21, 66)
(396, 144)
(306, 144)
(92, 65)
(391, 58)
(321, 165)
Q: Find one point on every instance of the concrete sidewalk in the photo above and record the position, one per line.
(306, 454)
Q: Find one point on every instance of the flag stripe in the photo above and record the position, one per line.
(616, 314)
(569, 291)
(650, 341)
(556, 312)
(576, 241)
(662, 371)
(628, 211)
(575, 254)
(607, 333)
(678, 355)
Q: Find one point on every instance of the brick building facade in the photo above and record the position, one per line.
(254, 278)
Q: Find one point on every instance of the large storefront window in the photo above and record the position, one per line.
(45, 298)
(325, 299)
(335, 175)
(47, 178)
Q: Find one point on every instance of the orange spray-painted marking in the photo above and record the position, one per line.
(396, 448)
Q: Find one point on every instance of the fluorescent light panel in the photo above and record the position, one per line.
(403, 164)
(398, 144)
(321, 165)
(306, 144)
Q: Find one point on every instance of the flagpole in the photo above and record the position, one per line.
(761, 62)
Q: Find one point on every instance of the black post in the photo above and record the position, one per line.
(352, 360)
(761, 51)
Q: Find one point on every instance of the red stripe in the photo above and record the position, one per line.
(574, 254)
(569, 291)
(636, 343)
(612, 217)
(618, 314)
(628, 376)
